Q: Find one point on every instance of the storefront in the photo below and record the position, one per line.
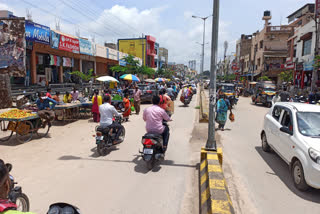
(307, 74)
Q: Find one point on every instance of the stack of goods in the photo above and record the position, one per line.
(16, 114)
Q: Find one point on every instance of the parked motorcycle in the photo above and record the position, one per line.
(299, 99)
(105, 137)
(62, 208)
(16, 195)
(152, 148)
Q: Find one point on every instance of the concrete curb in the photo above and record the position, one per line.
(204, 108)
(213, 188)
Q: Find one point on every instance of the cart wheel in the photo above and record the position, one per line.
(5, 134)
(24, 131)
(40, 130)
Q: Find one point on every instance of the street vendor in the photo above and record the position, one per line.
(75, 94)
(127, 107)
(67, 98)
(96, 102)
(45, 106)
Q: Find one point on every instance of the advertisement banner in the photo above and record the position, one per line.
(308, 66)
(101, 51)
(112, 54)
(135, 47)
(67, 43)
(12, 46)
(122, 62)
(55, 38)
(85, 47)
(37, 33)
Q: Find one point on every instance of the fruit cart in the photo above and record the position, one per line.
(23, 123)
(67, 111)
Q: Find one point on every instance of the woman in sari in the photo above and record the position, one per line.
(127, 107)
(222, 112)
(96, 102)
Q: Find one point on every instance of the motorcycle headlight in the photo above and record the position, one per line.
(314, 155)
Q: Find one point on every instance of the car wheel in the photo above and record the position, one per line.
(265, 146)
(298, 176)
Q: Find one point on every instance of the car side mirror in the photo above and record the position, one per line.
(286, 130)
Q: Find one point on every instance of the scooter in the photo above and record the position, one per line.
(16, 195)
(105, 137)
(62, 208)
(152, 148)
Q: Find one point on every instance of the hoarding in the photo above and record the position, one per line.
(101, 51)
(37, 33)
(12, 46)
(86, 47)
(122, 62)
(112, 54)
(135, 47)
(55, 38)
(67, 43)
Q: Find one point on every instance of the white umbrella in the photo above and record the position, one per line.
(150, 80)
(107, 79)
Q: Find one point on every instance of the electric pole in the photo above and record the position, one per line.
(211, 142)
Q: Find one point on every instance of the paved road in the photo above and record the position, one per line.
(65, 167)
(260, 182)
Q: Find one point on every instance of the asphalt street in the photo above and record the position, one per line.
(66, 167)
(259, 182)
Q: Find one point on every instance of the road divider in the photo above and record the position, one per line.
(214, 195)
(204, 108)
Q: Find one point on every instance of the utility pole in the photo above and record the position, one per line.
(211, 142)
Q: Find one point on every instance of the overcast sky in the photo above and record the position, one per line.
(169, 21)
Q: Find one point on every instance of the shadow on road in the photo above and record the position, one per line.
(281, 169)
(258, 105)
(95, 152)
(140, 165)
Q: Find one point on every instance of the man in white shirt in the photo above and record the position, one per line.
(107, 112)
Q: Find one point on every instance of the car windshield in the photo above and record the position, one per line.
(309, 123)
(228, 88)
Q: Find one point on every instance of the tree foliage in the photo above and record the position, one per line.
(286, 76)
(83, 76)
(264, 78)
(165, 73)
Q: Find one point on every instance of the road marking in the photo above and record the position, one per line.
(214, 168)
(205, 195)
(204, 178)
(203, 165)
(221, 207)
(212, 156)
(217, 184)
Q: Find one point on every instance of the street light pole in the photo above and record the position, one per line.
(203, 43)
(211, 144)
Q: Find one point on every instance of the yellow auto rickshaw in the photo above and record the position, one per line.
(263, 93)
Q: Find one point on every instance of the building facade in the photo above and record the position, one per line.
(163, 56)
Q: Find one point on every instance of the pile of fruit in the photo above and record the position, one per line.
(16, 114)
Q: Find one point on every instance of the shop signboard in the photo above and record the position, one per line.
(67, 43)
(12, 46)
(37, 33)
(85, 47)
(55, 38)
(112, 54)
(290, 65)
(122, 62)
(101, 51)
(308, 66)
(317, 8)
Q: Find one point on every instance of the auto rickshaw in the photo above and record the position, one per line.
(263, 93)
(228, 89)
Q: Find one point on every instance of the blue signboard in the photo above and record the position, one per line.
(37, 33)
(308, 66)
(122, 62)
(85, 47)
(55, 39)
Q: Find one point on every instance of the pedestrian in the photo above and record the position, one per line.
(127, 107)
(96, 102)
(137, 99)
(222, 112)
(75, 94)
(45, 106)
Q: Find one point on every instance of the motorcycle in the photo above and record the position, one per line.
(16, 195)
(105, 137)
(61, 208)
(152, 148)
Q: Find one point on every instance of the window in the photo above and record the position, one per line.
(276, 113)
(307, 47)
(259, 62)
(261, 44)
(295, 51)
(286, 120)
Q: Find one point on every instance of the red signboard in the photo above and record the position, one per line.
(69, 44)
(317, 8)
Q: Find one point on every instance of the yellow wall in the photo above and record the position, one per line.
(134, 47)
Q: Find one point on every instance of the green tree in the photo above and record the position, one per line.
(286, 76)
(264, 78)
(83, 76)
(132, 66)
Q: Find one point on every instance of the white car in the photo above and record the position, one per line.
(292, 130)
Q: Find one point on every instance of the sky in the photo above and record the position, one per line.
(169, 21)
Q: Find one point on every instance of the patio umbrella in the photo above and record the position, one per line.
(160, 80)
(150, 80)
(107, 79)
(130, 77)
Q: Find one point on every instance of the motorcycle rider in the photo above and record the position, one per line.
(154, 116)
(107, 112)
(6, 206)
(164, 99)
